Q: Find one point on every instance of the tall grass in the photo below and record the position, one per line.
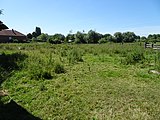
(91, 81)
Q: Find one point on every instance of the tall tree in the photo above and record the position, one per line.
(38, 31)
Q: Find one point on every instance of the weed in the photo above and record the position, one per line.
(74, 56)
(59, 68)
(134, 57)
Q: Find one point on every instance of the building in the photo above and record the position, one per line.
(11, 35)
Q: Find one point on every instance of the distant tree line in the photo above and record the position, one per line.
(91, 37)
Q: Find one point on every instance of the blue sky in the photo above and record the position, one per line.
(61, 16)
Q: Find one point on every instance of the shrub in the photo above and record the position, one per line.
(74, 56)
(39, 74)
(134, 57)
(102, 40)
(59, 68)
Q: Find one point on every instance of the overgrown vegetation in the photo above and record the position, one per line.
(85, 81)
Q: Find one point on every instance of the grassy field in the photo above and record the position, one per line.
(99, 82)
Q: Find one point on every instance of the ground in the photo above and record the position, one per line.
(109, 81)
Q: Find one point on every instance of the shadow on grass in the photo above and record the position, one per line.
(8, 63)
(11, 110)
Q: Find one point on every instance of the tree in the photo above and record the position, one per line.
(70, 38)
(56, 39)
(29, 35)
(93, 37)
(79, 37)
(118, 37)
(129, 37)
(38, 31)
(108, 37)
(34, 34)
(43, 37)
(102, 40)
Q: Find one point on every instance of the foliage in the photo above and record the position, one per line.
(34, 34)
(59, 68)
(70, 38)
(93, 37)
(102, 40)
(129, 37)
(135, 57)
(79, 38)
(29, 35)
(108, 37)
(118, 37)
(74, 56)
(153, 38)
(43, 37)
(56, 39)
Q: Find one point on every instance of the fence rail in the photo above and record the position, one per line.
(153, 46)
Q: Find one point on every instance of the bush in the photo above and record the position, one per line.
(74, 56)
(40, 74)
(134, 57)
(102, 40)
(59, 68)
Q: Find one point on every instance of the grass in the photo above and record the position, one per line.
(93, 81)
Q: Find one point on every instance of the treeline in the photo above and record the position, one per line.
(91, 37)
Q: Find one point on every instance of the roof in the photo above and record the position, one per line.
(2, 26)
(10, 33)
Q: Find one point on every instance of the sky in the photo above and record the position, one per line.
(64, 16)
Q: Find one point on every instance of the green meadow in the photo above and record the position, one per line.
(87, 81)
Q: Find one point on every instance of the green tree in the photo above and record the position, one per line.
(43, 37)
(29, 35)
(70, 38)
(34, 34)
(108, 37)
(93, 37)
(57, 38)
(118, 37)
(129, 37)
(102, 40)
(79, 37)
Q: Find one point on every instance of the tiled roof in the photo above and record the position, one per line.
(10, 33)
